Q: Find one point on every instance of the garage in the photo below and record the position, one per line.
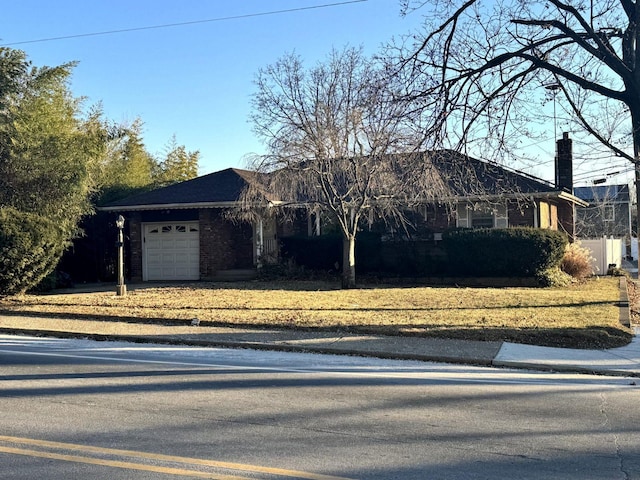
(171, 251)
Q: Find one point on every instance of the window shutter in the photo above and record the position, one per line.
(545, 215)
(501, 217)
(462, 216)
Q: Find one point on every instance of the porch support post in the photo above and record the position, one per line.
(259, 242)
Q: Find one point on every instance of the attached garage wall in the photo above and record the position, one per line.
(222, 244)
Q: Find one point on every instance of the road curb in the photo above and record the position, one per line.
(625, 308)
(563, 368)
(250, 345)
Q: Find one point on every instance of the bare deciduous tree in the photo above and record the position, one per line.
(332, 133)
(480, 68)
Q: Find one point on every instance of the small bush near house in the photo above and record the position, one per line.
(55, 279)
(554, 277)
(30, 247)
(513, 252)
(577, 261)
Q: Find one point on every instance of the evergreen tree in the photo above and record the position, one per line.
(49, 149)
(177, 165)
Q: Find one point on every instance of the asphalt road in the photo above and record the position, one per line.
(94, 410)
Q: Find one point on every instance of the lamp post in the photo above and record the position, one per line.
(121, 288)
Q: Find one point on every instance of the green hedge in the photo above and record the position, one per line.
(373, 256)
(512, 252)
(30, 247)
(315, 253)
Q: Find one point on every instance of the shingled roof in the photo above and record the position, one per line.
(603, 193)
(466, 177)
(216, 189)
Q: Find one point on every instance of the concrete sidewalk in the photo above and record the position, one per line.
(623, 361)
(614, 361)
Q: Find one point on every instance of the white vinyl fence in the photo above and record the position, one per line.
(605, 252)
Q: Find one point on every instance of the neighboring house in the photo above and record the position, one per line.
(608, 213)
(604, 226)
(182, 232)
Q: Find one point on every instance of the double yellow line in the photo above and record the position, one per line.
(44, 444)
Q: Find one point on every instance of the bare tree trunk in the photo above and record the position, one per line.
(349, 261)
(637, 184)
(636, 154)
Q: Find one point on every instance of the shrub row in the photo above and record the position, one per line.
(373, 256)
(513, 252)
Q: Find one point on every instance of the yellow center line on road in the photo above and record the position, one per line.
(148, 456)
(117, 464)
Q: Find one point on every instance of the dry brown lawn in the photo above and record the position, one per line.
(585, 315)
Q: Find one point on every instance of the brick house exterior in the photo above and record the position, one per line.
(199, 204)
(181, 232)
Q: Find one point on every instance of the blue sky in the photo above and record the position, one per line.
(194, 81)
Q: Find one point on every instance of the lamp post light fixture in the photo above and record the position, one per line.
(121, 288)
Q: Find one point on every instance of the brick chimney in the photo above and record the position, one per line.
(564, 163)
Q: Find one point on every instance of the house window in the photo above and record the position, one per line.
(482, 216)
(553, 217)
(313, 224)
(482, 219)
(609, 213)
(167, 228)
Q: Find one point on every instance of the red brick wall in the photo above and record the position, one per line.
(135, 245)
(521, 215)
(223, 245)
(566, 220)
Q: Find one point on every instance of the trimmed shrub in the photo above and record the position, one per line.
(554, 277)
(30, 247)
(577, 261)
(510, 252)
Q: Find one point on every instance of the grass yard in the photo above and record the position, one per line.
(582, 316)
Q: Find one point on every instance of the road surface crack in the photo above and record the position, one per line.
(616, 439)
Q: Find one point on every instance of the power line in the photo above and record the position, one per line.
(180, 24)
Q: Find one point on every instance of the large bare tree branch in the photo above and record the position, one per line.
(557, 40)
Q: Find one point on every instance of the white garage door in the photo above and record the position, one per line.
(171, 251)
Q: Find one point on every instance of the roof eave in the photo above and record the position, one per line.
(167, 206)
(572, 198)
(562, 195)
